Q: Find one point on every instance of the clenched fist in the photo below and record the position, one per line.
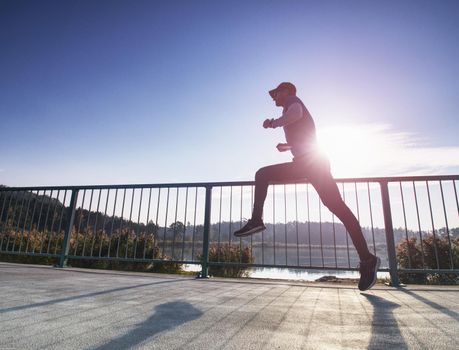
(268, 123)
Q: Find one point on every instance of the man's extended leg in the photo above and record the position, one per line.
(329, 194)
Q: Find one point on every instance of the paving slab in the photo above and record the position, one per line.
(49, 308)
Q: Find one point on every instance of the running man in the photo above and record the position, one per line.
(300, 134)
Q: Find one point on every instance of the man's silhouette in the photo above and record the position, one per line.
(300, 134)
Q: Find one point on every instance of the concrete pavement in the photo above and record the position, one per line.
(48, 308)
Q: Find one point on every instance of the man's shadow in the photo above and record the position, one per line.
(165, 317)
(385, 333)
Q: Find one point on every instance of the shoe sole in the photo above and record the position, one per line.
(250, 232)
(378, 262)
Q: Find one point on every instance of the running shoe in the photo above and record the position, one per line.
(368, 269)
(252, 226)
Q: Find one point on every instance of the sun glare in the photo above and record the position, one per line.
(353, 150)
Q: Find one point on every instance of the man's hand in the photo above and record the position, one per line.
(282, 147)
(268, 123)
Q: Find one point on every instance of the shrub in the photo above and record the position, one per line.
(89, 245)
(230, 254)
(415, 252)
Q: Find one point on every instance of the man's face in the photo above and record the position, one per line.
(280, 96)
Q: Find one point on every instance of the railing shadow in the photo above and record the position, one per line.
(454, 315)
(165, 317)
(385, 333)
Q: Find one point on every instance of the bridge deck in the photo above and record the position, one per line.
(43, 307)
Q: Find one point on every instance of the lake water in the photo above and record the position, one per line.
(304, 275)
(293, 274)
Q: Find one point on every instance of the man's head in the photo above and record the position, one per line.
(280, 94)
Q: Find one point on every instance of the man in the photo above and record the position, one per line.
(300, 134)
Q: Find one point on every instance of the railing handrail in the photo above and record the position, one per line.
(231, 183)
(43, 192)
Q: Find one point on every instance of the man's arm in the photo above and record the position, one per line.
(291, 115)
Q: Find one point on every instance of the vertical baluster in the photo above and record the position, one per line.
(112, 224)
(17, 194)
(68, 230)
(419, 224)
(102, 233)
(16, 233)
(138, 225)
(285, 224)
(296, 228)
(31, 222)
(147, 225)
(175, 224)
(433, 227)
(184, 224)
(447, 227)
(81, 210)
(320, 234)
(86, 231)
(165, 223)
(5, 225)
(156, 237)
(52, 232)
(60, 222)
(309, 225)
(129, 225)
(120, 232)
(371, 218)
(347, 233)
(240, 220)
(94, 230)
(406, 227)
(39, 221)
(46, 221)
(219, 224)
(194, 222)
(274, 223)
(231, 218)
(25, 220)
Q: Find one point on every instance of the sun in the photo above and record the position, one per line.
(353, 150)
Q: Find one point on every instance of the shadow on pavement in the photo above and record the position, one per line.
(165, 317)
(88, 295)
(385, 333)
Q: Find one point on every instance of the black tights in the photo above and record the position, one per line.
(318, 174)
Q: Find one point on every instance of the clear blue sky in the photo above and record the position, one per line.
(100, 92)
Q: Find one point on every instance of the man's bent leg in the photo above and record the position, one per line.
(273, 173)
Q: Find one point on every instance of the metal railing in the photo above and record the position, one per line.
(414, 217)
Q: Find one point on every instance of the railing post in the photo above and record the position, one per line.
(68, 229)
(205, 243)
(389, 234)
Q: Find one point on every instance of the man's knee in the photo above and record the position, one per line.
(261, 174)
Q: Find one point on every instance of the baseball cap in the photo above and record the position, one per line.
(285, 85)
